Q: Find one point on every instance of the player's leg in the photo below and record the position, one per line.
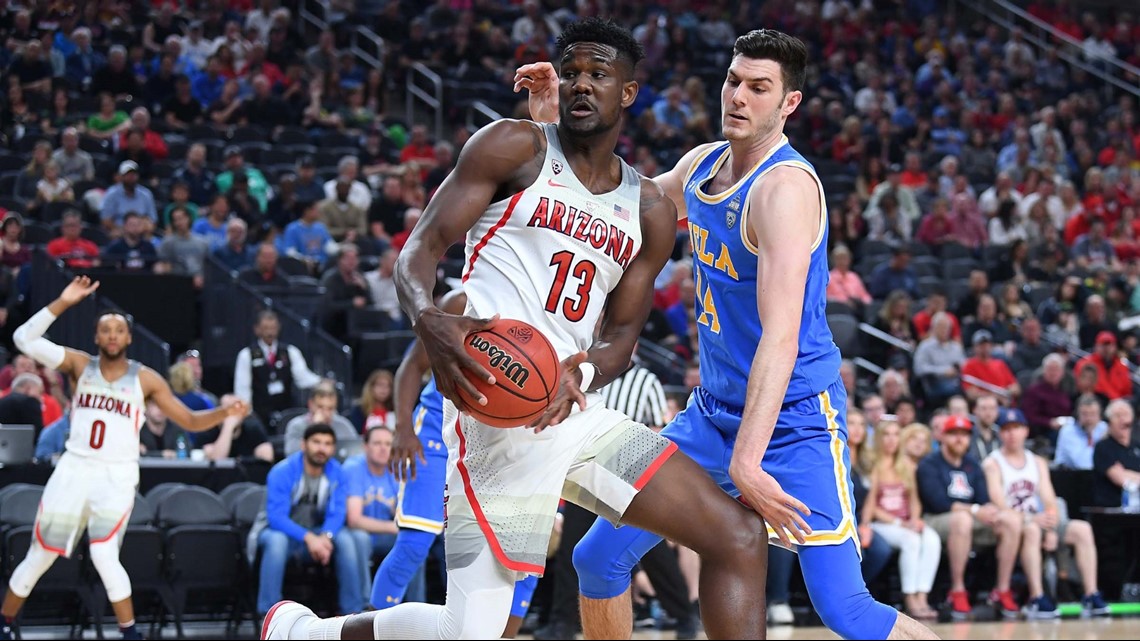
(834, 582)
(24, 578)
(728, 537)
(110, 511)
(524, 591)
(660, 566)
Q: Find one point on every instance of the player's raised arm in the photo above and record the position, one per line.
(156, 388)
(496, 162)
(627, 308)
(29, 337)
(785, 233)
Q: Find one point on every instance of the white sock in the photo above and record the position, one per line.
(408, 621)
(317, 629)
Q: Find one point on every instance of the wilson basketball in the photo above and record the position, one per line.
(526, 371)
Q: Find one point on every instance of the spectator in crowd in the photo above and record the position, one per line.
(127, 195)
(197, 176)
(152, 140)
(1077, 440)
(52, 188)
(14, 254)
(184, 386)
(22, 405)
(938, 361)
(182, 253)
(359, 195)
(345, 220)
(371, 508)
(844, 285)
(979, 284)
(382, 287)
(1093, 249)
(239, 438)
(181, 110)
(956, 505)
(116, 77)
(75, 251)
(1045, 403)
(376, 405)
(28, 178)
(1095, 321)
(895, 275)
(345, 289)
(264, 272)
(895, 514)
(304, 521)
(308, 188)
(873, 411)
(159, 435)
(1019, 480)
(212, 226)
(236, 254)
(935, 303)
(131, 252)
(267, 372)
(74, 163)
(985, 318)
(235, 163)
(82, 63)
(308, 239)
(1116, 459)
(1113, 378)
(323, 409)
(1031, 351)
(984, 439)
(983, 368)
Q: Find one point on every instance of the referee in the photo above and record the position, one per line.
(638, 394)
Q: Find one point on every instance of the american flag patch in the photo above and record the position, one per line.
(621, 212)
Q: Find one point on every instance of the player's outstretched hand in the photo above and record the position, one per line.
(569, 392)
(78, 289)
(780, 510)
(541, 80)
(444, 336)
(236, 407)
(406, 448)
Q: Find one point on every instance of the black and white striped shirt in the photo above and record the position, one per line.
(637, 394)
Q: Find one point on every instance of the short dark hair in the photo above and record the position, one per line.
(602, 31)
(769, 44)
(265, 314)
(375, 428)
(319, 428)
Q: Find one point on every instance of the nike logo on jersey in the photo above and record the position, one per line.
(554, 184)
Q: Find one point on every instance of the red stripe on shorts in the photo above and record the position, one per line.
(643, 480)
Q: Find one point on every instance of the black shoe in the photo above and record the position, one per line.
(556, 630)
(687, 627)
(5, 630)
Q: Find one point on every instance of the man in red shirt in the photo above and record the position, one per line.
(152, 140)
(1113, 379)
(935, 302)
(76, 252)
(984, 367)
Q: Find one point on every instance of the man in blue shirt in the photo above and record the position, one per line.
(371, 504)
(956, 503)
(127, 196)
(304, 520)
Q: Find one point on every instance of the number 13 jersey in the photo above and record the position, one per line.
(551, 253)
(106, 416)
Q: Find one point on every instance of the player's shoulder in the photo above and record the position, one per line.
(516, 137)
(653, 197)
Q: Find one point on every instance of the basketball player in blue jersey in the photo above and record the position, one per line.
(419, 508)
(769, 416)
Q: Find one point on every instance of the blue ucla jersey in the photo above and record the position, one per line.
(724, 271)
(432, 401)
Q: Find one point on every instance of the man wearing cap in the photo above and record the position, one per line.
(984, 367)
(258, 185)
(1019, 480)
(127, 195)
(956, 503)
(1113, 379)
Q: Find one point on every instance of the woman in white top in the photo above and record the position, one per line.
(52, 187)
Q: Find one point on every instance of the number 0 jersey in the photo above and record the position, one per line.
(106, 416)
(551, 253)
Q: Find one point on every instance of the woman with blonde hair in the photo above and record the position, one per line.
(376, 403)
(894, 513)
(914, 443)
(185, 387)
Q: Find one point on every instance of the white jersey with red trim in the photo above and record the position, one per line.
(552, 253)
(106, 415)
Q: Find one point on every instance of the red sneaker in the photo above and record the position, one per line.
(959, 604)
(1004, 603)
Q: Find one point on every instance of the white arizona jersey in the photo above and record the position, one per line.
(106, 415)
(551, 254)
(1020, 484)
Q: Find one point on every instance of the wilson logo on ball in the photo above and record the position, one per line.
(498, 359)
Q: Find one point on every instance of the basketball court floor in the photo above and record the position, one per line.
(1114, 628)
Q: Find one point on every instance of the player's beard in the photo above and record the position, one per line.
(109, 356)
(770, 124)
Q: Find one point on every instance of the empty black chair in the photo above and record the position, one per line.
(37, 233)
(291, 266)
(246, 508)
(364, 320)
(191, 505)
(231, 492)
(845, 331)
(142, 513)
(14, 203)
(206, 561)
(157, 493)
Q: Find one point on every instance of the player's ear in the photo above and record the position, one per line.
(791, 101)
(628, 93)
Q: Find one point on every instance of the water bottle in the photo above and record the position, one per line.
(1130, 497)
(182, 448)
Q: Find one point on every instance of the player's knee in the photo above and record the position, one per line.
(746, 537)
(29, 571)
(603, 572)
(855, 614)
(472, 620)
(105, 558)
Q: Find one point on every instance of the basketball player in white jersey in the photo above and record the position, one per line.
(1019, 479)
(560, 231)
(93, 485)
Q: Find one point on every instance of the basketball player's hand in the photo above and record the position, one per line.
(569, 392)
(781, 511)
(406, 448)
(236, 408)
(78, 289)
(541, 80)
(444, 336)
